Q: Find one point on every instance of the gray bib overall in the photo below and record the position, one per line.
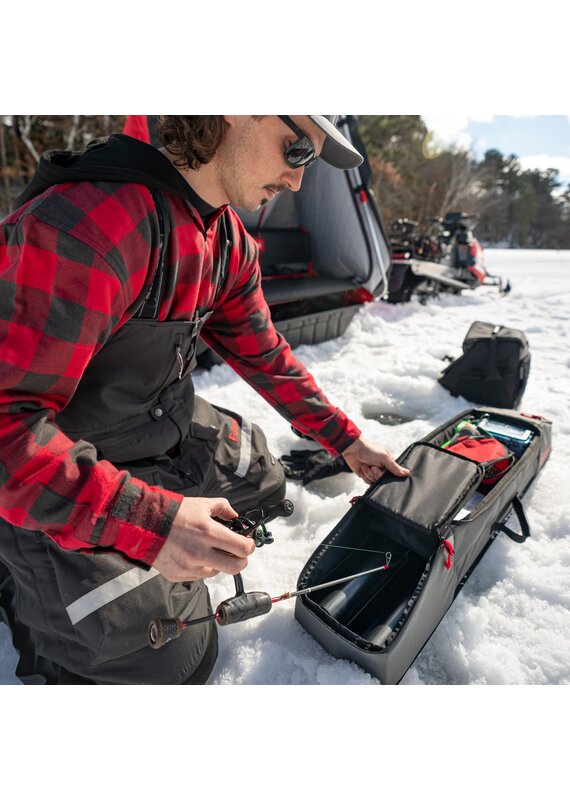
(81, 617)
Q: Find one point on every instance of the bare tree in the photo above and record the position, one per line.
(25, 131)
(4, 165)
(460, 185)
(73, 132)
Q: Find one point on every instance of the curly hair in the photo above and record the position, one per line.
(193, 140)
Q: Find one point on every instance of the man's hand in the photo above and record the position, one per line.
(370, 461)
(198, 546)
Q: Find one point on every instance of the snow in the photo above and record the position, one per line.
(511, 623)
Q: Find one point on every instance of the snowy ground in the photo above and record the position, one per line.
(511, 623)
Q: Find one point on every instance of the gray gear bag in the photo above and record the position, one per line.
(433, 528)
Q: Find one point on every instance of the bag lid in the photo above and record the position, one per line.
(439, 485)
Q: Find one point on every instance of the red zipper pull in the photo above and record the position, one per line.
(448, 547)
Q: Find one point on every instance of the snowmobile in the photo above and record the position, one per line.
(449, 259)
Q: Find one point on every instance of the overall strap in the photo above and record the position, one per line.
(151, 304)
(226, 243)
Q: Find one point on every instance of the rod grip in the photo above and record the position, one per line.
(161, 631)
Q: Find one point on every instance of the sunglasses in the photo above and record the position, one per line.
(302, 152)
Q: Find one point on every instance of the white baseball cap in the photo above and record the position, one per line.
(337, 150)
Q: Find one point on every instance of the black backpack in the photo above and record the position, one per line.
(494, 367)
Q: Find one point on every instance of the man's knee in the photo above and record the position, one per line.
(274, 484)
(243, 469)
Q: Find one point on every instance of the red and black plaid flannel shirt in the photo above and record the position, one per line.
(72, 262)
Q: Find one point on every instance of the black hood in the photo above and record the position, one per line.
(114, 158)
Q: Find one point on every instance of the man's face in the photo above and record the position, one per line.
(251, 161)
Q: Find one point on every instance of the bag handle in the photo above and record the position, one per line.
(525, 528)
(493, 373)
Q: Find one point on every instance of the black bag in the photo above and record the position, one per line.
(494, 366)
(432, 528)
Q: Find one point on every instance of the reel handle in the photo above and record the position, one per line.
(284, 508)
(244, 605)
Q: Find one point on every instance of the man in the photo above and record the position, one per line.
(114, 475)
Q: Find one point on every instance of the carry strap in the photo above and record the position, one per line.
(525, 529)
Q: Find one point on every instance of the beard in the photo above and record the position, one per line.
(236, 176)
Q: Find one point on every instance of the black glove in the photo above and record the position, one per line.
(301, 435)
(310, 465)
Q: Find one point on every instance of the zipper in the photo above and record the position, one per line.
(179, 358)
(196, 323)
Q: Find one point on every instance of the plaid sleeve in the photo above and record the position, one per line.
(60, 300)
(242, 333)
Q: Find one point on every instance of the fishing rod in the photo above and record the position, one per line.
(247, 605)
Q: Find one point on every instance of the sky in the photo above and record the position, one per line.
(539, 141)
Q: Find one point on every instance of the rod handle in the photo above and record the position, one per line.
(161, 631)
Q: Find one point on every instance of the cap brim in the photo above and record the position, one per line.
(337, 150)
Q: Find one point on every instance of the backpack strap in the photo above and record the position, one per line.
(153, 298)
